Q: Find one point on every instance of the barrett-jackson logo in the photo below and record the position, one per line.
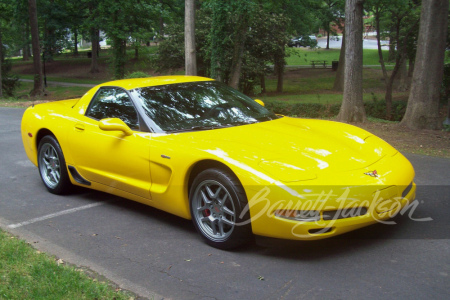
(373, 173)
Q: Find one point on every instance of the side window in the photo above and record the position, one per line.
(113, 103)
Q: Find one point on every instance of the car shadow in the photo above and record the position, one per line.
(373, 236)
(140, 210)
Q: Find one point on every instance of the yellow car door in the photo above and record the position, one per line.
(115, 156)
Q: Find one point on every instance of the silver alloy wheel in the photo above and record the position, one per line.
(213, 210)
(49, 165)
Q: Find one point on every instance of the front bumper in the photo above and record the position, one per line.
(322, 211)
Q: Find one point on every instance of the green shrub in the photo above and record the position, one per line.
(9, 82)
(137, 74)
(304, 110)
(375, 109)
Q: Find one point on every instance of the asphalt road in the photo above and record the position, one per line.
(159, 256)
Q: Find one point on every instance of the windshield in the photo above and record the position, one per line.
(199, 106)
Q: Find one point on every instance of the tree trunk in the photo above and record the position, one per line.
(328, 38)
(279, 69)
(392, 43)
(402, 77)
(189, 38)
(38, 84)
(1, 61)
(119, 57)
(238, 51)
(218, 36)
(48, 43)
(136, 50)
(339, 80)
(411, 68)
(26, 44)
(94, 58)
(352, 108)
(380, 52)
(422, 111)
(399, 60)
(279, 61)
(390, 83)
(75, 44)
(263, 84)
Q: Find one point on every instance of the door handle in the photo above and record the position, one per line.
(79, 127)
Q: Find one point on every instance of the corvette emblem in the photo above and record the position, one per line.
(374, 173)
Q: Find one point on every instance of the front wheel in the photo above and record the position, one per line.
(52, 166)
(219, 209)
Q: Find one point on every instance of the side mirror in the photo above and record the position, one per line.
(114, 124)
(260, 102)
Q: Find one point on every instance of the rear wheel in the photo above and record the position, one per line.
(217, 201)
(52, 166)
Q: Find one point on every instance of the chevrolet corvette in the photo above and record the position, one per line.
(201, 150)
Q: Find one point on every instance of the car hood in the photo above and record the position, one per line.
(291, 149)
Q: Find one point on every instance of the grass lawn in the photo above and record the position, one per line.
(304, 56)
(65, 79)
(25, 273)
(330, 98)
(54, 92)
(316, 86)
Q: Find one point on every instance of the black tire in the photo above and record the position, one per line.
(217, 201)
(52, 166)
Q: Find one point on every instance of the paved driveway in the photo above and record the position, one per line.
(160, 256)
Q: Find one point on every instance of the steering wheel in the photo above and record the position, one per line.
(215, 110)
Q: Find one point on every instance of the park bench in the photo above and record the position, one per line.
(322, 63)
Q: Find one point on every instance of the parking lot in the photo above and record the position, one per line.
(160, 256)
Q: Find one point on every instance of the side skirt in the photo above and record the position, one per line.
(78, 178)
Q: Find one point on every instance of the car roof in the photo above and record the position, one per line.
(130, 84)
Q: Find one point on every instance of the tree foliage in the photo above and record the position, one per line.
(263, 42)
(401, 16)
(331, 12)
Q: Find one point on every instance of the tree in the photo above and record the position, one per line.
(379, 8)
(288, 12)
(352, 108)
(38, 88)
(55, 21)
(20, 28)
(93, 28)
(422, 111)
(1, 62)
(95, 50)
(3, 17)
(338, 84)
(123, 21)
(265, 40)
(243, 11)
(218, 38)
(189, 38)
(330, 11)
(404, 20)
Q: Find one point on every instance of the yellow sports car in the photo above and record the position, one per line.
(201, 150)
